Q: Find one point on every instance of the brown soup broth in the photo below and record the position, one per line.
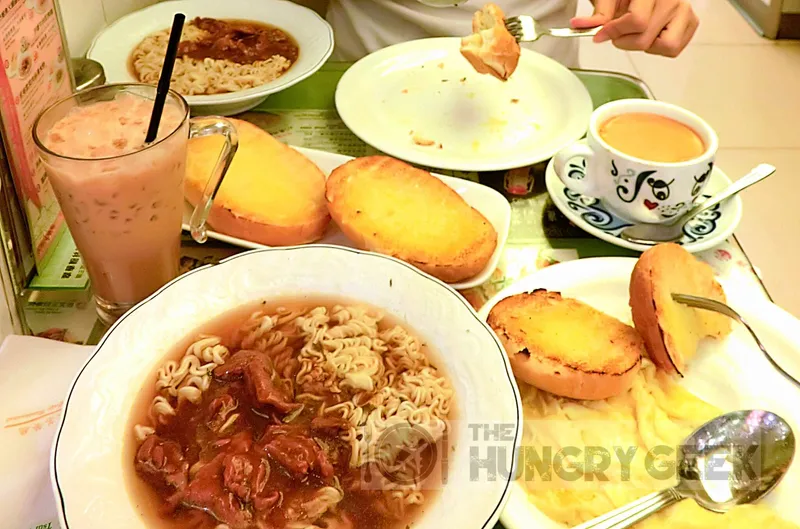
(188, 428)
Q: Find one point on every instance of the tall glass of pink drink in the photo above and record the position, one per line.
(123, 200)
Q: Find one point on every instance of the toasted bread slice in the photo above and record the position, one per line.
(491, 48)
(672, 331)
(387, 206)
(566, 347)
(272, 194)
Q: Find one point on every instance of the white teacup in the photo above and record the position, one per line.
(637, 190)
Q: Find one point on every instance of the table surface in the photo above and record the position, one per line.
(305, 116)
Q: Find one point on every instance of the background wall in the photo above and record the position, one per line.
(83, 19)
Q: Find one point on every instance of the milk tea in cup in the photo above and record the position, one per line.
(652, 137)
(648, 161)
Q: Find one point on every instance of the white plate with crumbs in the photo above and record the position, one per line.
(421, 101)
(486, 200)
(115, 45)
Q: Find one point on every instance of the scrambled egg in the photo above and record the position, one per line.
(656, 412)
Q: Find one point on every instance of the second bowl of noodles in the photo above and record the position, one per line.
(232, 54)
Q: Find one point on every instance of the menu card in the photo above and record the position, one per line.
(34, 75)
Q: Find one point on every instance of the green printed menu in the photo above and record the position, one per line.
(65, 268)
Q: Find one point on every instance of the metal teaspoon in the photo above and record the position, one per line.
(652, 234)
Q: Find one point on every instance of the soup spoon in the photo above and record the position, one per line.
(652, 234)
(736, 458)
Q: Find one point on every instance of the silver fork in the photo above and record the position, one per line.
(525, 29)
(716, 306)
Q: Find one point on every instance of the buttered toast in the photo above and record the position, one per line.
(566, 347)
(672, 331)
(271, 195)
(387, 206)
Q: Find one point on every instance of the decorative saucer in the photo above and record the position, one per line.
(705, 231)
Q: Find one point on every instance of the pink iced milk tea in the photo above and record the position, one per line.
(122, 202)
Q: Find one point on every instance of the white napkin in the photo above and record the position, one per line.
(35, 374)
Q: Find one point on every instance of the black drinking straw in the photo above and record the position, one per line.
(166, 76)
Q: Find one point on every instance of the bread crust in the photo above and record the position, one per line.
(224, 220)
(661, 271)
(491, 49)
(387, 206)
(645, 316)
(260, 158)
(607, 367)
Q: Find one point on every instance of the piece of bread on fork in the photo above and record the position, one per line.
(491, 49)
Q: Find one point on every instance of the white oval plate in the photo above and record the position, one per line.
(113, 46)
(732, 374)
(486, 200)
(707, 230)
(417, 86)
(87, 465)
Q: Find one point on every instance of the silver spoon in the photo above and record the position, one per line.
(652, 234)
(736, 458)
(716, 306)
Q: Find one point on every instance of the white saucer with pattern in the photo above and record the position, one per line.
(705, 231)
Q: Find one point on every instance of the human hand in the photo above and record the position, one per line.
(660, 27)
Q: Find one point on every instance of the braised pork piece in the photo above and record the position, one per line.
(247, 465)
(242, 42)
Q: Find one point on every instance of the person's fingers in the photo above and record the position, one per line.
(635, 21)
(665, 11)
(679, 31)
(603, 12)
(591, 21)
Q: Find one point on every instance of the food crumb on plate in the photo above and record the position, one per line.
(440, 145)
(440, 66)
(515, 100)
(421, 141)
(463, 79)
(404, 91)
